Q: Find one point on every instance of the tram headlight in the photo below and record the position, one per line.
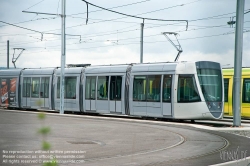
(208, 104)
(219, 105)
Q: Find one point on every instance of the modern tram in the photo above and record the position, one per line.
(245, 98)
(173, 90)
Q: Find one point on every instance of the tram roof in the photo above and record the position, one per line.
(10, 72)
(154, 67)
(106, 69)
(73, 70)
(38, 71)
(230, 71)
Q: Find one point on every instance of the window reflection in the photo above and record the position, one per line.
(246, 91)
(102, 87)
(69, 87)
(90, 87)
(147, 88)
(167, 84)
(226, 83)
(35, 87)
(187, 89)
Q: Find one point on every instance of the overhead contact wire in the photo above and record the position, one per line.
(143, 18)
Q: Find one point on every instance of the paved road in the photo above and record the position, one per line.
(84, 140)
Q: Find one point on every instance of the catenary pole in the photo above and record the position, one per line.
(62, 59)
(141, 57)
(238, 63)
(8, 54)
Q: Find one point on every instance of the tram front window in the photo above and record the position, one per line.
(211, 85)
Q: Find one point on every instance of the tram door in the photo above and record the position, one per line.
(166, 95)
(115, 94)
(90, 93)
(226, 96)
(153, 95)
(44, 93)
(26, 92)
(147, 95)
(139, 104)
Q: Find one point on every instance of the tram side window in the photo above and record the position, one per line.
(90, 87)
(69, 87)
(246, 91)
(44, 89)
(35, 87)
(102, 87)
(26, 86)
(187, 89)
(58, 90)
(167, 85)
(153, 88)
(139, 88)
(226, 83)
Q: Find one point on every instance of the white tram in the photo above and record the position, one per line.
(179, 90)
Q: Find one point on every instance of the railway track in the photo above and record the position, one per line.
(225, 122)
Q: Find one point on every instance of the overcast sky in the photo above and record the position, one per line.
(110, 38)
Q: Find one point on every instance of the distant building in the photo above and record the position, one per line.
(78, 65)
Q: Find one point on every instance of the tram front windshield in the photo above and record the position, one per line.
(211, 84)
